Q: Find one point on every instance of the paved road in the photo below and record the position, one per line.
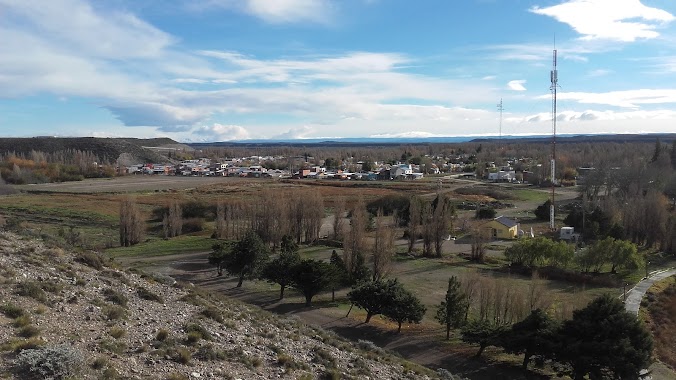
(635, 295)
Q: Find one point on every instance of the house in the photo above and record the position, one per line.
(500, 228)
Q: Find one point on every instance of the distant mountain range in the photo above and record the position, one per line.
(664, 137)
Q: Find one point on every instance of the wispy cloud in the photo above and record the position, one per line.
(623, 99)
(277, 11)
(618, 20)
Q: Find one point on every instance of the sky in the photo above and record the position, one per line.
(220, 70)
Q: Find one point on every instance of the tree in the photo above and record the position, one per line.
(172, 222)
(383, 247)
(534, 336)
(219, 254)
(482, 332)
(624, 255)
(355, 245)
(280, 270)
(451, 311)
(414, 212)
(131, 224)
(542, 211)
(247, 257)
(604, 341)
(311, 277)
(373, 296)
(485, 212)
(404, 306)
(338, 221)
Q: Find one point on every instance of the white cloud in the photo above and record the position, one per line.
(295, 133)
(624, 99)
(618, 20)
(277, 11)
(79, 27)
(220, 132)
(517, 85)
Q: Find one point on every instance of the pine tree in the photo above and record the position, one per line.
(451, 311)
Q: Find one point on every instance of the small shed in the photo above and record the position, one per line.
(501, 227)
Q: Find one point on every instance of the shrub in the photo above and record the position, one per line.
(12, 311)
(182, 355)
(99, 363)
(113, 346)
(31, 289)
(115, 297)
(213, 313)
(117, 332)
(198, 329)
(54, 362)
(91, 259)
(193, 337)
(18, 345)
(208, 352)
(146, 294)
(162, 335)
(485, 212)
(176, 376)
(29, 331)
(22, 321)
(193, 225)
(114, 312)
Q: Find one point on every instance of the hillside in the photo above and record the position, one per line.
(106, 149)
(100, 322)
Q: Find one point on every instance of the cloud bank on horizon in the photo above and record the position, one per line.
(254, 69)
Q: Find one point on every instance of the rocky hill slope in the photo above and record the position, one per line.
(66, 315)
(108, 150)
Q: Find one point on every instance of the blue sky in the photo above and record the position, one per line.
(218, 70)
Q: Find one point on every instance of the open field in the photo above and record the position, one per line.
(91, 207)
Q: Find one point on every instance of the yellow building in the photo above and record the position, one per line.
(500, 228)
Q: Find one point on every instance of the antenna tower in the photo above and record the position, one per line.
(555, 84)
(500, 108)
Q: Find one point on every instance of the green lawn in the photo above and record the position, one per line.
(531, 195)
(161, 247)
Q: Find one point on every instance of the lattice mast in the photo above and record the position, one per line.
(500, 109)
(554, 86)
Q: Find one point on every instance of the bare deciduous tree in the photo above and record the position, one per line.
(172, 223)
(338, 221)
(383, 247)
(131, 224)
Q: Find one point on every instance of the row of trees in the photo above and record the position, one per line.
(541, 251)
(432, 221)
(41, 167)
(601, 340)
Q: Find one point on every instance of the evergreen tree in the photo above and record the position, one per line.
(280, 270)
(404, 306)
(482, 332)
(451, 311)
(247, 257)
(311, 277)
(534, 336)
(604, 341)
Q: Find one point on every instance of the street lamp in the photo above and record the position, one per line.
(625, 293)
(646, 268)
